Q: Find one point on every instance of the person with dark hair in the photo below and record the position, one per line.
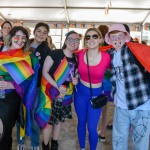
(107, 90)
(103, 29)
(5, 28)
(144, 42)
(127, 28)
(98, 61)
(40, 49)
(15, 62)
(62, 60)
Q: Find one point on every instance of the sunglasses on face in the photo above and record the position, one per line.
(117, 37)
(70, 40)
(94, 36)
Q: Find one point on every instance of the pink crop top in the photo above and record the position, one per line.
(96, 72)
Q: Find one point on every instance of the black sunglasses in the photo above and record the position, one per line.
(94, 36)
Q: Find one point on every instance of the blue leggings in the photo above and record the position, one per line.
(86, 115)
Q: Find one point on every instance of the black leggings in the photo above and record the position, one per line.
(9, 110)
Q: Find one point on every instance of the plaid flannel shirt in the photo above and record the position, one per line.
(136, 87)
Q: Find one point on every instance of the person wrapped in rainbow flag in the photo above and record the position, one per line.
(18, 69)
(57, 89)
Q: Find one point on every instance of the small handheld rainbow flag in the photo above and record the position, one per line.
(17, 63)
(19, 71)
(62, 72)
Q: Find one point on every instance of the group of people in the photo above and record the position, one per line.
(53, 79)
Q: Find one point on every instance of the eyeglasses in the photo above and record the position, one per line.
(117, 37)
(70, 40)
(94, 36)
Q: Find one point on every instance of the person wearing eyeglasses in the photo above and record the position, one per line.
(98, 62)
(60, 62)
(130, 90)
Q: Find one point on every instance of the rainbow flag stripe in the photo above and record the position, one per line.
(19, 71)
(17, 63)
(43, 111)
(62, 72)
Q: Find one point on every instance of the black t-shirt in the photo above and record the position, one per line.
(41, 52)
(57, 56)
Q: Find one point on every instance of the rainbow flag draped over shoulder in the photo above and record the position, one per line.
(43, 111)
(62, 72)
(17, 63)
(142, 53)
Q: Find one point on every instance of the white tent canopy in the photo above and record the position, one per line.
(92, 11)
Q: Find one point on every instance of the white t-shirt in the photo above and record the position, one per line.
(120, 97)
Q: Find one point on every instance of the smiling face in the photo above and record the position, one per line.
(117, 40)
(18, 40)
(6, 28)
(72, 42)
(92, 39)
(40, 34)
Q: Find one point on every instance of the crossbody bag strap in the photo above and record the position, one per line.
(89, 74)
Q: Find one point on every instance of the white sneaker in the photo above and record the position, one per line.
(21, 147)
(35, 148)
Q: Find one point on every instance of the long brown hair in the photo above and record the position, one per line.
(12, 33)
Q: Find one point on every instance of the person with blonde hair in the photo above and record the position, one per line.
(50, 43)
(92, 64)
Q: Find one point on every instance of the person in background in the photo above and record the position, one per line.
(144, 42)
(5, 28)
(50, 43)
(28, 30)
(81, 41)
(107, 90)
(14, 92)
(136, 40)
(61, 105)
(40, 49)
(130, 92)
(98, 63)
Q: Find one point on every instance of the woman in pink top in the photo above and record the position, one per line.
(98, 63)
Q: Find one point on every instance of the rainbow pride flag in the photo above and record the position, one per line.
(17, 63)
(43, 111)
(19, 71)
(62, 72)
(24, 62)
(68, 99)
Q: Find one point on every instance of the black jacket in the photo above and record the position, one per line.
(41, 52)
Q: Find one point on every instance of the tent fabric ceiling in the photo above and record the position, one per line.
(123, 11)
